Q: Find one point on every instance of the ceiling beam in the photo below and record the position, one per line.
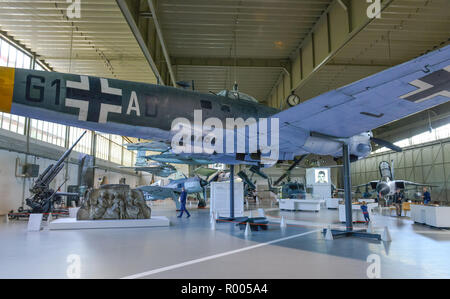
(154, 17)
(145, 34)
(240, 62)
(356, 19)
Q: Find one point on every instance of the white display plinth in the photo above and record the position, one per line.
(431, 215)
(220, 199)
(357, 214)
(35, 222)
(319, 179)
(73, 212)
(300, 204)
(73, 223)
(309, 205)
(332, 203)
(288, 204)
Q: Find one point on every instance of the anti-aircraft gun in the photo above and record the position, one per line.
(43, 196)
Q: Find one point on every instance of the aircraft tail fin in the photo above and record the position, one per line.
(386, 170)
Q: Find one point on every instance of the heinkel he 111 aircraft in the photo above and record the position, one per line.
(321, 125)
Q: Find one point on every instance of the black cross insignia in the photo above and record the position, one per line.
(94, 97)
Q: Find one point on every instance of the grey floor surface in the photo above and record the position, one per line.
(190, 249)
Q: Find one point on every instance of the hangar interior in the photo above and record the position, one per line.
(271, 49)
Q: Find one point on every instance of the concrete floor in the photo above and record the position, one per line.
(190, 249)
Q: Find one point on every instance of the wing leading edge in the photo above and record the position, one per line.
(369, 103)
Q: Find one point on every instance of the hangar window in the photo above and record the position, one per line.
(205, 104)
(102, 146)
(108, 147)
(85, 144)
(116, 149)
(13, 57)
(435, 134)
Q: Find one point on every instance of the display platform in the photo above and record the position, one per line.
(220, 199)
(300, 204)
(431, 215)
(333, 203)
(73, 223)
(357, 214)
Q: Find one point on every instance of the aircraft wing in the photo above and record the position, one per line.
(204, 171)
(404, 184)
(362, 185)
(372, 184)
(369, 103)
(153, 170)
(154, 146)
(158, 192)
(198, 159)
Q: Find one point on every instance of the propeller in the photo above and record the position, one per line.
(385, 143)
(203, 182)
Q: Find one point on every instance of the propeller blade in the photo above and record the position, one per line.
(203, 183)
(214, 177)
(387, 144)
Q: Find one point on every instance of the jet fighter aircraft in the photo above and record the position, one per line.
(387, 185)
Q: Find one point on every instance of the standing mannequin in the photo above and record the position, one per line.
(183, 197)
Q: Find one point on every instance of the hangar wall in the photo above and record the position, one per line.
(14, 190)
(425, 163)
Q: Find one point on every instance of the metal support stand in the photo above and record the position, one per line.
(347, 188)
(349, 232)
(232, 191)
(231, 217)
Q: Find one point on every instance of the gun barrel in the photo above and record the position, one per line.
(52, 175)
(56, 167)
(42, 175)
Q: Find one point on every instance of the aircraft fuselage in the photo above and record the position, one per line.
(135, 109)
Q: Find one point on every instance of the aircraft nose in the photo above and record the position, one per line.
(383, 188)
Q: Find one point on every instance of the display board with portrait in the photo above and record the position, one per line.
(321, 176)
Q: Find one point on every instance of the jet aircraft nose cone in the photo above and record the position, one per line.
(383, 188)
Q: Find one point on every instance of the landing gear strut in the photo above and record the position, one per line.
(349, 232)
